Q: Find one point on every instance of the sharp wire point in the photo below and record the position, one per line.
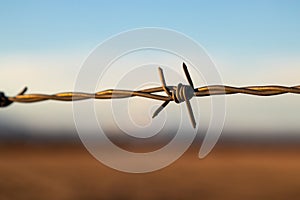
(190, 111)
(188, 76)
(23, 91)
(160, 108)
(163, 81)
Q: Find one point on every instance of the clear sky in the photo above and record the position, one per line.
(43, 43)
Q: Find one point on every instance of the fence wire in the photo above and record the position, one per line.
(178, 94)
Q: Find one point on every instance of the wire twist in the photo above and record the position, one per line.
(178, 94)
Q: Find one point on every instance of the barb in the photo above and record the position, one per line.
(178, 94)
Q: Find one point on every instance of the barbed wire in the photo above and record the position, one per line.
(147, 93)
(180, 93)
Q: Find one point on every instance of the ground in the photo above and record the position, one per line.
(68, 171)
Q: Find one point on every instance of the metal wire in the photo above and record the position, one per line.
(147, 93)
(179, 93)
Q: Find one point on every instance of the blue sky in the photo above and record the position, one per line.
(39, 38)
(244, 27)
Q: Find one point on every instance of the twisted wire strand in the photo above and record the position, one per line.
(178, 94)
(148, 93)
(250, 90)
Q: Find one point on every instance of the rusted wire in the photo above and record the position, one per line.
(178, 94)
(147, 93)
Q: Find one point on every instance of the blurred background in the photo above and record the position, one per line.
(43, 45)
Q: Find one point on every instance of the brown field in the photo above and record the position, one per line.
(49, 171)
